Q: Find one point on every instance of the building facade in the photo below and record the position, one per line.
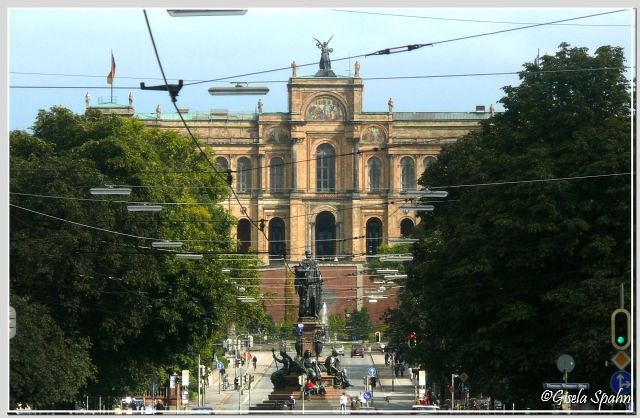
(324, 176)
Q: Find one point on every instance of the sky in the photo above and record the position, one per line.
(57, 55)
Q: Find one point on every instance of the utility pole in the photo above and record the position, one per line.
(199, 380)
(453, 390)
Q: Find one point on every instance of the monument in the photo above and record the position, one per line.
(309, 332)
(325, 61)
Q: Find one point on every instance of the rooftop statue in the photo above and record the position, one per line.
(325, 61)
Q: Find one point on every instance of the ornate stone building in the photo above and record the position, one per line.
(325, 176)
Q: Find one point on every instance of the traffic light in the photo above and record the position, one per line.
(411, 340)
(620, 329)
(377, 336)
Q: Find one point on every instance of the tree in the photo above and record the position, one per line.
(525, 265)
(336, 325)
(359, 324)
(140, 313)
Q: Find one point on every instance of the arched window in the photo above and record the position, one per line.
(243, 175)
(428, 161)
(325, 235)
(222, 163)
(276, 171)
(374, 235)
(276, 238)
(244, 235)
(375, 170)
(325, 168)
(406, 227)
(408, 174)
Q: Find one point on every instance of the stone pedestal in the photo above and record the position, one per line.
(311, 329)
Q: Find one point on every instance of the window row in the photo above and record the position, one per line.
(325, 235)
(325, 172)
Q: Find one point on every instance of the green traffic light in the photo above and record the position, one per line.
(620, 340)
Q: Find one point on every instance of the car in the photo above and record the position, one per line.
(357, 350)
(424, 409)
(202, 410)
(339, 349)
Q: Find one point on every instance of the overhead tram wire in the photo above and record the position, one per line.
(470, 20)
(407, 48)
(408, 77)
(243, 210)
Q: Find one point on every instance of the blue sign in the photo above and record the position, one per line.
(372, 371)
(367, 395)
(219, 365)
(621, 381)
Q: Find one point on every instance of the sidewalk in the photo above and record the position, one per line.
(216, 398)
(394, 393)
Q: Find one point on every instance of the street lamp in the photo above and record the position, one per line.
(205, 12)
(166, 244)
(417, 208)
(144, 208)
(239, 90)
(189, 256)
(403, 240)
(396, 258)
(417, 194)
(110, 191)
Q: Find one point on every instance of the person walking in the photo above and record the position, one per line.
(343, 403)
(386, 359)
(255, 362)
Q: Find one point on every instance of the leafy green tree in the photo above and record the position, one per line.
(141, 313)
(38, 350)
(359, 324)
(336, 325)
(524, 261)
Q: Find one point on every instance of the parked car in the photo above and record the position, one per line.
(357, 350)
(339, 349)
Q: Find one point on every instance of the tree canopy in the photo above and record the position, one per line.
(524, 260)
(120, 313)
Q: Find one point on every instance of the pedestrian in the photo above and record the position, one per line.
(343, 403)
(396, 369)
(402, 369)
(255, 362)
(292, 402)
(386, 359)
(361, 400)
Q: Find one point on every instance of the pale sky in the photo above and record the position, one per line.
(71, 48)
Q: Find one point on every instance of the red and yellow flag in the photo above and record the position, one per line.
(112, 73)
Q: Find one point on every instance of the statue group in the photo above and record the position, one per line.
(307, 365)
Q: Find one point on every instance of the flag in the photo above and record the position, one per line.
(112, 73)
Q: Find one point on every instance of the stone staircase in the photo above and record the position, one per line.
(278, 398)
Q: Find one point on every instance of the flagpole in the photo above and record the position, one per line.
(111, 98)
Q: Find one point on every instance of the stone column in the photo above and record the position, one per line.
(294, 164)
(390, 177)
(259, 170)
(356, 166)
